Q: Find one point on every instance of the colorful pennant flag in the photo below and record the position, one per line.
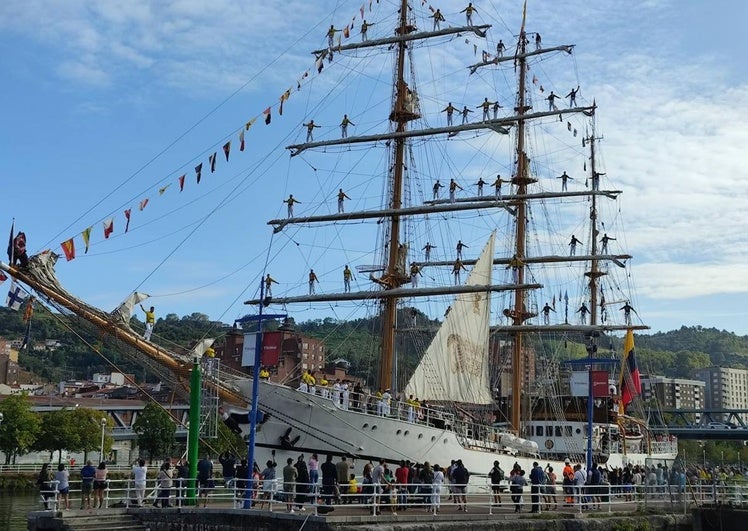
(108, 228)
(250, 123)
(346, 32)
(268, 116)
(241, 140)
(68, 247)
(86, 234)
(181, 182)
(3, 277)
(227, 150)
(143, 204)
(127, 217)
(163, 189)
(212, 161)
(15, 297)
(199, 171)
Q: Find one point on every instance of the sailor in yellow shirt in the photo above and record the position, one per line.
(269, 281)
(456, 268)
(486, 106)
(324, 390)
(150, 322)
(210, 360)
(347, 276)
(352, 490)
(410, 402)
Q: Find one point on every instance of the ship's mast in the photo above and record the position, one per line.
(594, 273)
(400, 116)
(521, 179)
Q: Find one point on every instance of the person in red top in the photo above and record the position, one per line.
(401, 478)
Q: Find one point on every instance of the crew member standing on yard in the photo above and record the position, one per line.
(456, 270)
(573, 245)
(469, 10)
(538, 40)
(344, 126)
(573, 97)
(449, 109)
(436, 187)
(269, 281)
(414, 272)
(438, 18)
(331, 35)
(364, 29)
(496, 108)
(604, 240)
(291, 202)
(497, 186)
(460, 247)
(312, 280)
(428, 248)
(547, 309)
(551, 102)
(583, 311)
(486, 106)
(310, 130)
(150, 322)
(564, 179)
(453, 186)
(465, 112)
(347, 276)
(500, 48)
(341, 199)
(480, 184)
(627, 309)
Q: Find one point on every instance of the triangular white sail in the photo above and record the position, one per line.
(455, 366)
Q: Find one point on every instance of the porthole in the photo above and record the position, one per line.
(578, 431)
(445, 441)
(366, 425)
(406, 432)
(433, 438)
(399, 432)
(420, 435)
(374, 427)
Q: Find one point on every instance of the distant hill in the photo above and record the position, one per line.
(676, 353)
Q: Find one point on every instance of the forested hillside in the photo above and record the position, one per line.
(676, 353)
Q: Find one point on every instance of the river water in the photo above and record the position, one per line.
(14, 508)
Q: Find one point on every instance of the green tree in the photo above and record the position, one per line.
(88, 424)
(155, 429)
(58, 432)
(20, 426)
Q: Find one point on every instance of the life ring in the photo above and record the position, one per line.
(548, 443)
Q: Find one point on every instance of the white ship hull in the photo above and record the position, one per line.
(318, 426)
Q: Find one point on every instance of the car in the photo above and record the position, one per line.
(719, 426)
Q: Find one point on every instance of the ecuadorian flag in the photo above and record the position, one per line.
(630, 383)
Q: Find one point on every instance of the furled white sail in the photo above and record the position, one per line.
(455, 366)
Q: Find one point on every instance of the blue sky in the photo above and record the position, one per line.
(103, 103)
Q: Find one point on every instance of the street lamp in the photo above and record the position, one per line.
(101, 452)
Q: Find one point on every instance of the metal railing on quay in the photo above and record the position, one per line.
(391, 498)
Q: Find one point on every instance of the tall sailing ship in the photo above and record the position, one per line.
(479, 158)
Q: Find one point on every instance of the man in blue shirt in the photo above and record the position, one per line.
(537, 478)
(88, 473)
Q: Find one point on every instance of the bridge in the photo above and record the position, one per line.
(713, 424)
(122, 412)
